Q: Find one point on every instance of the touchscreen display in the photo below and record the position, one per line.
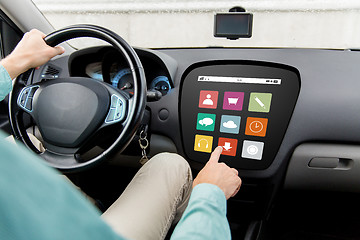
(243, 108)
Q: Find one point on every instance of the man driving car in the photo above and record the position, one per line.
(37, 203)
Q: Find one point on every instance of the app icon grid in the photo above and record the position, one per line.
(231, 124)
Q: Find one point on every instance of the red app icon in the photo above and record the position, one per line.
(229, 146)
(208, 99)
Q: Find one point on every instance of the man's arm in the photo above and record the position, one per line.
(205, 216)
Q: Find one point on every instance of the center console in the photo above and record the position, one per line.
(245, 107)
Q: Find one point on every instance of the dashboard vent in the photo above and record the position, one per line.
(50, 72)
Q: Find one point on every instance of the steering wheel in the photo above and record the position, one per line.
(70, 112)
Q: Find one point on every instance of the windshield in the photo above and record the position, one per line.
(190, 23)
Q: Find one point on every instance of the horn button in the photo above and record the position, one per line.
(68, 112)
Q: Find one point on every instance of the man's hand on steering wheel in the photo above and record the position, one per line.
(31, 52)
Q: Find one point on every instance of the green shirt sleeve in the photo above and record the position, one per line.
(5, 83)
(36, 203)
(205, 216)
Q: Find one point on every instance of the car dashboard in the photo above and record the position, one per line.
(286, 118)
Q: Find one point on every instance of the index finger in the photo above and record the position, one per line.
(216, 154)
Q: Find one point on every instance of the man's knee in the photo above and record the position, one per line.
(171, 160)
(172, 164)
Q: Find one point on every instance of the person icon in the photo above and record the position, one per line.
(208, 100)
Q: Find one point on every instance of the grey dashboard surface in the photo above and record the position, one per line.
(324, 166)
(326, 109)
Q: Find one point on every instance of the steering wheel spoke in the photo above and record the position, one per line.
(26, 97)
(119, 104)
(61, 161)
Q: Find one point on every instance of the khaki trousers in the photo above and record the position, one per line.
(154, 199)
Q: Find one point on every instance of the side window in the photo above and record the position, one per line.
(10, 35)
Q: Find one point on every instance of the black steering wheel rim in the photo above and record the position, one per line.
(134, 115)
